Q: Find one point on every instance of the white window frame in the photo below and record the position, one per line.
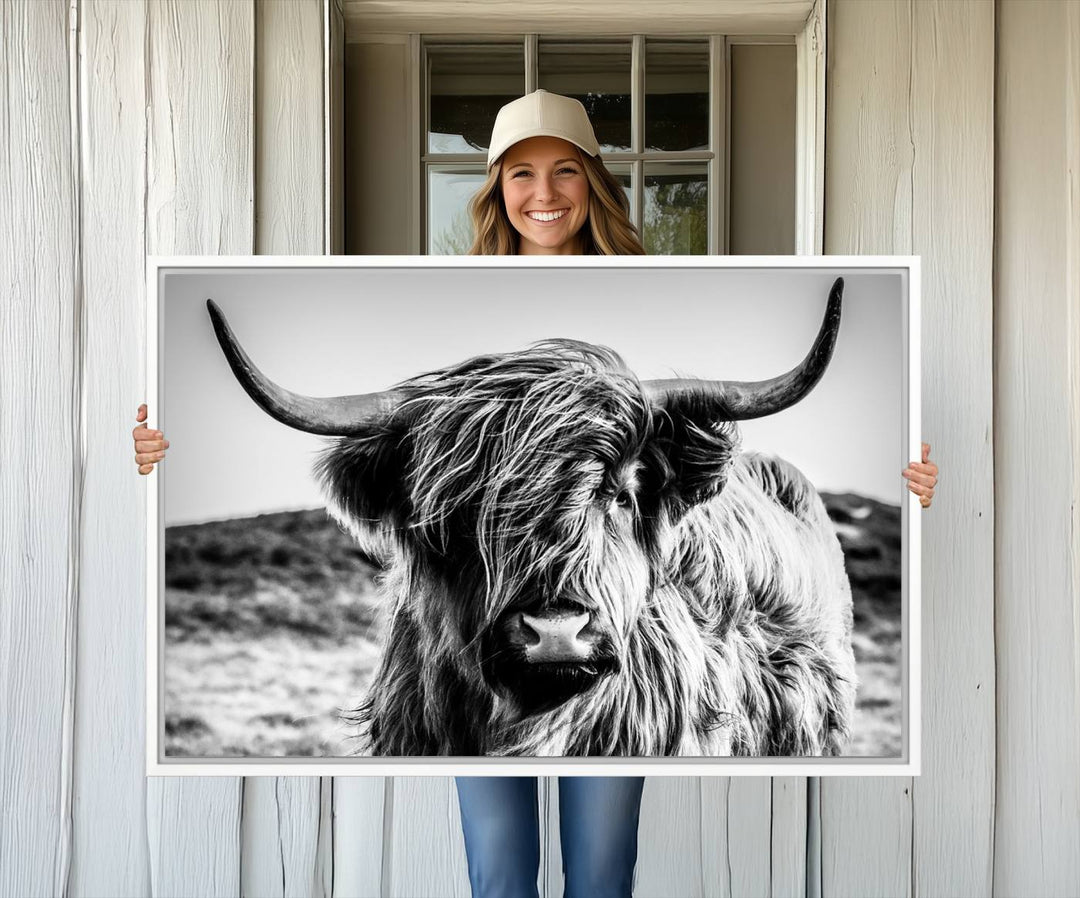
(809, 40)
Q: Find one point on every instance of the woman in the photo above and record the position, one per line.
(547, 193)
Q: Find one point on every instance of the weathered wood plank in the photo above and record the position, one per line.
(871, 814)
(110, 854)
(788, 837)
(200, 192)
(193, 828)
(869, 158)
(426, 847)
(40, 435)
(289, 127)
(360, 814)
(1037, 450)
(282, 815)
(280, 837)
(199, 199)
(670, 838)
(868, 150)
(911, 107)
(952, 130)
(324, 857)
(735, 836)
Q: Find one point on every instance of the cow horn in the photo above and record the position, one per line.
(756, 399)
(327, 416)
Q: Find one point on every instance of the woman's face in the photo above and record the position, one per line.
(546, 195)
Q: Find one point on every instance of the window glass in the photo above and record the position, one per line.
(598, 75)
(449, 191)
(467, 84)
(676, 208)
(676, 95)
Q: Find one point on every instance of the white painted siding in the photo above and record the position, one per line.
(199, 198)
(41, 454)
(200, 127)
(280, 829)
(953, 229)
(868, 174)
(109, 811)
(909, 151)
(1037, 367)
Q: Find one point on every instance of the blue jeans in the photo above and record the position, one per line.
(598, 829)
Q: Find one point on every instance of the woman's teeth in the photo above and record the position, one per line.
(546, 216)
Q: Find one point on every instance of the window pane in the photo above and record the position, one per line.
(676, 95)
(449, 191)
(466, 87)
(676, 209)
(597, 74)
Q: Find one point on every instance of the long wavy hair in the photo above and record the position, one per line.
(607, 231)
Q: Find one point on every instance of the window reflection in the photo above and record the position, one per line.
(598, 75)
(676, 95)
(450, 230)
(467, 85)
(676, 209)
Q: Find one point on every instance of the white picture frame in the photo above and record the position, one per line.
(907, 763)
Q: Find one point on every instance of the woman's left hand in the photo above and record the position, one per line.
(922, 477)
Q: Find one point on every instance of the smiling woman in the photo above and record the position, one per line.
(548, 191)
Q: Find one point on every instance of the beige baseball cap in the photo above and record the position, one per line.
(541, 114)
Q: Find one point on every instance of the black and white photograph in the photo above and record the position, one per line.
(533, 512)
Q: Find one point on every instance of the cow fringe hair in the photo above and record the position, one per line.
(743, 643)
(767, 672)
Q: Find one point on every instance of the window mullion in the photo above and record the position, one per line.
(725, 145)
(421, 95)
(532, 62)
(637, 128)
(717, 186)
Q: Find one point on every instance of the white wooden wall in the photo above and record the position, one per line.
(200, 127)
(909, 150)
(1036, 839)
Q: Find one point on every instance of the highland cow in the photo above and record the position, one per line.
(581, 563)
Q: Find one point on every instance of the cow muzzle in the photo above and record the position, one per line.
(539, 657)
(559, 634)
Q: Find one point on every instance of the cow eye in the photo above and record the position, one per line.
(624, 499)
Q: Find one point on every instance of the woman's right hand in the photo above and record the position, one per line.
(150, 445)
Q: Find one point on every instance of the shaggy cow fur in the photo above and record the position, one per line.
(546, 475)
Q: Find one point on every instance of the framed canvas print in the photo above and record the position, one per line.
(501, 515)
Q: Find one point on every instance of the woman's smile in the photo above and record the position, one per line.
(547, 217)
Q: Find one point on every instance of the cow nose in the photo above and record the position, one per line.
(553, 635)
